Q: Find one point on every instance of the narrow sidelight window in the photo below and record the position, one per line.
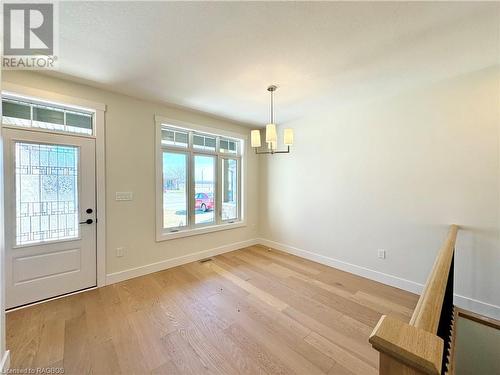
(229, 189)
(204, 189)
(175, 185)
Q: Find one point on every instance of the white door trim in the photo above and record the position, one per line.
(99, 108)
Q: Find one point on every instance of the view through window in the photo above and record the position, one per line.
(174, 190)
(201, 179)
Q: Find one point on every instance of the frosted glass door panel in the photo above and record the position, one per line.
(46, 178)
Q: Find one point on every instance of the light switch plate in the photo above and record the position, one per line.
(124, 196)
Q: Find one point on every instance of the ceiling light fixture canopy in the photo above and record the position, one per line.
(271, 133)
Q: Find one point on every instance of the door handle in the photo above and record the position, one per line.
(88, 221)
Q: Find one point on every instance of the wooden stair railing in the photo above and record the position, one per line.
(422, 346)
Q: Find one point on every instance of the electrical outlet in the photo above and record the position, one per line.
(120, 251)
(381, 253)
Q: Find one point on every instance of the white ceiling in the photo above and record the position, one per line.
(219, 57)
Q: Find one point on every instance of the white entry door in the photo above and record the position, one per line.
(50, 205)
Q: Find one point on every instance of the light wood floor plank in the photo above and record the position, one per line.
(250, 311)
(289, 261)
(357, 345)
(342, 356)
(265, 320)
(259, 293)
(212, 326)
(259, 352)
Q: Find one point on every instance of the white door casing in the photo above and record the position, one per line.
(50, 248)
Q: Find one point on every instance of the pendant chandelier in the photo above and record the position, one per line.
(271, 134)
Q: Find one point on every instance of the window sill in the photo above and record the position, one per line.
(165, 236)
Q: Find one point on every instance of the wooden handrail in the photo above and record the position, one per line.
(417, 348)
(428, 310)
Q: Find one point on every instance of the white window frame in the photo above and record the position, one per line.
(191, 229)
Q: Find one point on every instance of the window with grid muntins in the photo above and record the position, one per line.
(200, 179)
(25, 113)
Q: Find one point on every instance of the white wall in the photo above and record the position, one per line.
(392, 173)
(130, 166)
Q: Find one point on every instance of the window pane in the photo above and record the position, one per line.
(210, 142)
(79, 123)
(204, 189)
(174, 138)
(228, 146)
(229, 189)
(46, 192)
(52, 116)
(174, 190)
(16, 113)
(203, 142)
(167, 135)
(17, 110)
(181, 138)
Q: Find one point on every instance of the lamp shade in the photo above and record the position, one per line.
(255, 138)
(271, 135)
(288, 137)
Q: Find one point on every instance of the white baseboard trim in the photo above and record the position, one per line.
(5, 363)
(174, 262)
(466, 303)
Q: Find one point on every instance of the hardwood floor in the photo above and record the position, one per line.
(251, 311)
